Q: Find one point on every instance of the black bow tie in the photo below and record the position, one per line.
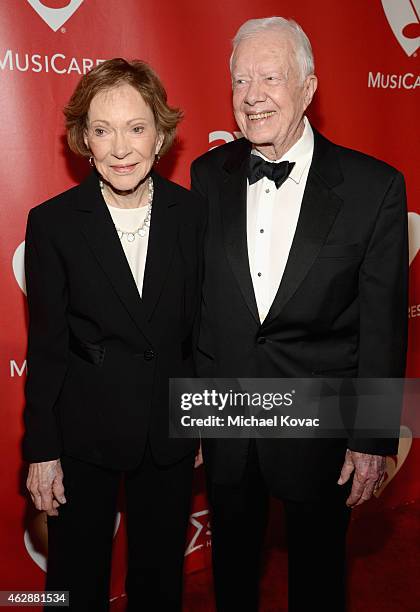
(258, 168)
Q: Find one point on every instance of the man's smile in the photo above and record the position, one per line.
(258, 116)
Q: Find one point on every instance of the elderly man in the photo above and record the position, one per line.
(306, 275)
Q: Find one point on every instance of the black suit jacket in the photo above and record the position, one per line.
(99, 356)
(340, 310)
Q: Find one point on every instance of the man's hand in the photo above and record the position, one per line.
(368, 476)
(45, 484)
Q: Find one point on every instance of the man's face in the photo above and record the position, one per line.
(269, 97)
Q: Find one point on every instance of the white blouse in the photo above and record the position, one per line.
(129, 220)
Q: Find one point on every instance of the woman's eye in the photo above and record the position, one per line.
(138, 129)
(99, 131)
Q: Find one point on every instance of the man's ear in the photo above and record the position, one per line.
(309, 88)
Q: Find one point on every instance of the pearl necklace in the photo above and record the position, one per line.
(142, 229)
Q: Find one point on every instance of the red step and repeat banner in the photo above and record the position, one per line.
(367, 61)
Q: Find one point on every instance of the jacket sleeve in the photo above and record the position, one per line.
(383, 295)
(47, 341)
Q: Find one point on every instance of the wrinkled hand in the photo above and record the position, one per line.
(368, 476)
(198, 458)
(45, 484)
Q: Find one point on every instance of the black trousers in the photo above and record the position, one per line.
(316, 534)
(80, 539)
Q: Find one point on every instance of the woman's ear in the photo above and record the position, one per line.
(159, 143)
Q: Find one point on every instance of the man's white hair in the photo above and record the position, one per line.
(303, 49)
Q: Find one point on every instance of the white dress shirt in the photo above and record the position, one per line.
(272, 216)
(129, 220)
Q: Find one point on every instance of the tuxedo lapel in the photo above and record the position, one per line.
(162, 241)
(319, 208)
(234, 217)
(99, 231)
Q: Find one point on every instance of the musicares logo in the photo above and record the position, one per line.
(394, 464)
(35, 538)
(201, 537)
(404, 18)
(55, 17)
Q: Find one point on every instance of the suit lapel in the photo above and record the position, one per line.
(162, 241)
(99, 231)
(318, 212)
(234, 217)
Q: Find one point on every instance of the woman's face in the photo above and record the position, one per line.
(122, 136)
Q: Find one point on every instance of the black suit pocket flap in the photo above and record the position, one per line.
(344, 372)
(93, 353)
(340, 250)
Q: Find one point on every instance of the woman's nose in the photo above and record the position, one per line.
(121, 145)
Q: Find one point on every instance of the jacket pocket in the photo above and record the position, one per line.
(205, 343)
(340, 250)
(92, 353)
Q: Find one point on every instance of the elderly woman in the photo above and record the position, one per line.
(113, 268)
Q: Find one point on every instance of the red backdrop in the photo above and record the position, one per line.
(369, 82)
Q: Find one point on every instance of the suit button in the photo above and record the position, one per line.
(149, 355)
(261, 340)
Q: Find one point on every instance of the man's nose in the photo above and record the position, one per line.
(255, 93)
(120, 145)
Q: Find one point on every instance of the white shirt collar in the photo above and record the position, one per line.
(300, 153)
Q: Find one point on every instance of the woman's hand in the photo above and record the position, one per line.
(45, 484)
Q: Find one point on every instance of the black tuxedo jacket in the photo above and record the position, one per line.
(99, 356)
(340, 310)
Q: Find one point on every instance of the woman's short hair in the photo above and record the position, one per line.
(107, 75)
